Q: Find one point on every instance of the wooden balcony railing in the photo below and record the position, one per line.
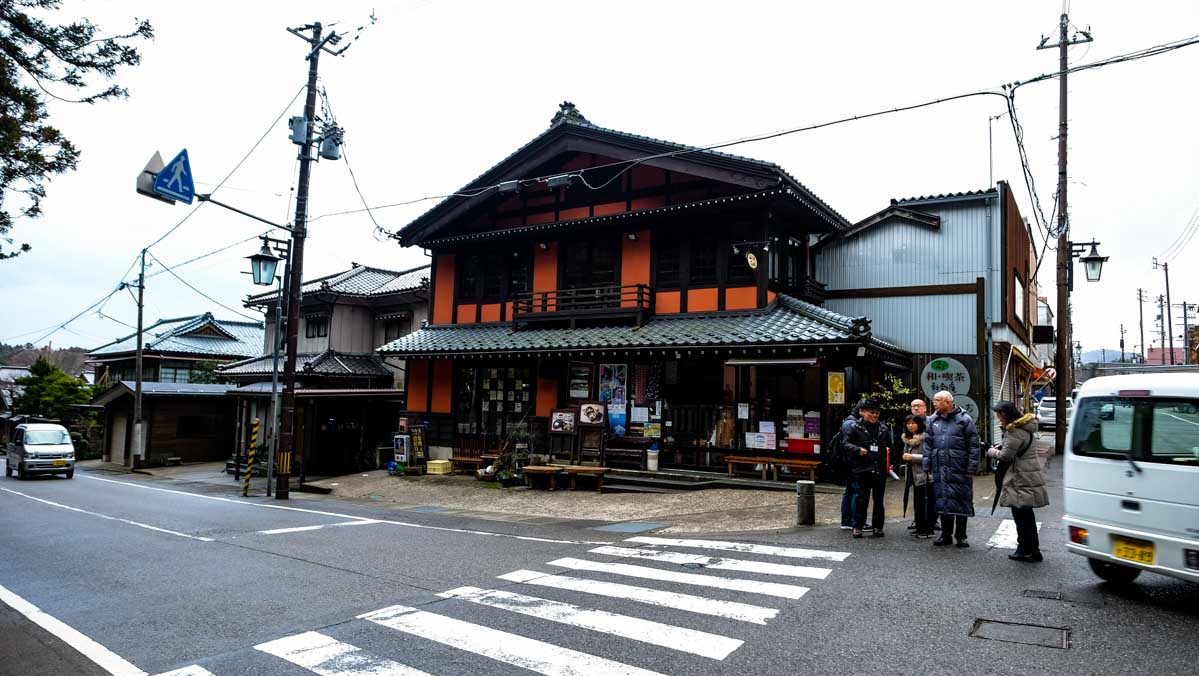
(632, 300)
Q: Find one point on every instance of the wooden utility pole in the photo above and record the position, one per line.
(1141, 298)
(1065, 252)
(1169, 335)
(139, 427)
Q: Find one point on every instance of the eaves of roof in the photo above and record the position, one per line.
(891, 214)
(649, 146)
(968, 196)
(359, 281)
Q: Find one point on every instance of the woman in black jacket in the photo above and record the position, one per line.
(913, 454)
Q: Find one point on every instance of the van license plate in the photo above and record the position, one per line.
(1129, 549)
(60, 463)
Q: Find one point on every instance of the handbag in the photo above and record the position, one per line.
(1002, 469)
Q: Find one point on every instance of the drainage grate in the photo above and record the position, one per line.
(1042, 594)
(1016, 632)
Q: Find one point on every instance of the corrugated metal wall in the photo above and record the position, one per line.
(943, 324)
(908, 255)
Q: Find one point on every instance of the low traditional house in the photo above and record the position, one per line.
(184, 422)
(348, 398)
(179, 410)
(177, 350)
(661, 292)
(950, 278)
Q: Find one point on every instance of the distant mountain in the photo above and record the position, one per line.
(1108, 355)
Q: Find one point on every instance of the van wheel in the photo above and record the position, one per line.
(7, 469)
(21, 473)
(71, 473)
(1113, 572)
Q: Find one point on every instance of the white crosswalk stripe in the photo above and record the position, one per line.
(732, 610)
(744, 548)
(531, 654)
(326, 656)
(1005, 535)
(189, 670)
(656, 633)
(786, 591)
(715, 563)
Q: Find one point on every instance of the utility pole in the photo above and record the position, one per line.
(1186, 331)
(139, 439)
(1141, 298)
(1169, 321)
(317, 43)
(1121, 343)
(1161, 322)
(1065, 252)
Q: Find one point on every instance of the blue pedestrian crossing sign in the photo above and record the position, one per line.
(175, 180)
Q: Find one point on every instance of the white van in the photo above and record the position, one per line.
(1132, 476)
(40, 448)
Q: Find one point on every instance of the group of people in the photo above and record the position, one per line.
(943, 454)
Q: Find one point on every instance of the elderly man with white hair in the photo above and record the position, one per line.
(951, 455)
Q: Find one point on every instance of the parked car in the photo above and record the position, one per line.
(1047, 412)
(40, 448)
(1132, 478)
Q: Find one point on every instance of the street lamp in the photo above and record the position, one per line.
(263, 264)
(1093, 262)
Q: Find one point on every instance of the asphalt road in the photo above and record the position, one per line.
(172, 575)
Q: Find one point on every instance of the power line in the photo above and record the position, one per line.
(1184, 237)
(188, 285)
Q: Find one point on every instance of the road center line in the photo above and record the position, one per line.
(105, 658)
(1171, 415)
(464, 531)
(110, 518)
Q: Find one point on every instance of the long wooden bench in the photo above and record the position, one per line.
(808, 466)
(575, 470)
(531, 471)
(469, 451)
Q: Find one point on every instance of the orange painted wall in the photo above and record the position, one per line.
(489, 313)
(443, 386)
(547, 396)
(741, 298)
(418, 385)
(703, 300)
(770, 296)
(667, 302)
(634, 263)
(610, 208)
(545, 269)
(468, 314)
(443, 282)
(574, 214)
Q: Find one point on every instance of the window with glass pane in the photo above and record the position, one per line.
(1104, 426)
(316, 327)
(604, 258)
(467, 286)
(588, 264)
(1175, 435)
(703, 262)
(493, 277)
(174, 374)
(668, 259)
(520, 276)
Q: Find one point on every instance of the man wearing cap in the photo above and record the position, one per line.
(867, 443)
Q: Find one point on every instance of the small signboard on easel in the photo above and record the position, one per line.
(420, 454)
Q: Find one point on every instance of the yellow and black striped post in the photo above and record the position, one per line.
(245, 486)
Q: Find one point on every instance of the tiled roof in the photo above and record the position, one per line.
(657, 146)
(787, 321)
(327, 363)
(170, 336)
(359, 280)
(152, 389)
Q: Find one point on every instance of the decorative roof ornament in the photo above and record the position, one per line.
(860, 326)
(568, 113)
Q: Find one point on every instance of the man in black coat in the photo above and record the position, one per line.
(867, 443)
(951, 455)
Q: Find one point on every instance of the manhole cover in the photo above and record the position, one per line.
(1042, 594)
(1028, 634)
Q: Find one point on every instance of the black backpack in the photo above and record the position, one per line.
(837, 460)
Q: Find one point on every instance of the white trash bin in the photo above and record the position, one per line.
(651, 461)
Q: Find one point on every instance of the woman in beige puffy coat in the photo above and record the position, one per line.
(1023, 486)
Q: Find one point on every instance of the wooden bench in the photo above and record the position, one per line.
(531, 471)
(575, 470)
(773, 464)
(469, 451)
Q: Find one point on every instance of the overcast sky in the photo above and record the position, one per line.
(437, 92)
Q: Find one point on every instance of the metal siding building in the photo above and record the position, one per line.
(917, 320)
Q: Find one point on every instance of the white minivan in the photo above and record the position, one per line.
(1132, 476)
(40, 448)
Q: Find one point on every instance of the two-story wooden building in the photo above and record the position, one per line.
(348, 398)
(669, 283)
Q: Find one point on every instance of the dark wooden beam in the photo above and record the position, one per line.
(901, 291)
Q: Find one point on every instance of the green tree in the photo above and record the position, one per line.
(40, 61)
(204, 372)
(48, 391)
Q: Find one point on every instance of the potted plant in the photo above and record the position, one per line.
(507, 477)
